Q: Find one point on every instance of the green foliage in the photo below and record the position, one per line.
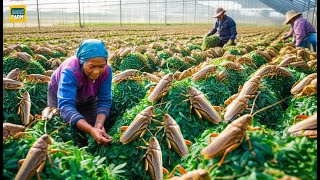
(44, 64)
(235, 79)
(38, 96)
(258, 60)
(115, 64)
(190, 126)
(210, 42)
(217, 92)
(131, 61)
(11, 99)
(184, 53)
(163, 55)
(125, 95)
(239, 162)
(271, 116)
(26, 49)
(45, 55)
(194, 46)
(276, 85)
(32, 67)
(233, 51)
(175, 64)
(304, 105)
(298, 157)
(57, 54)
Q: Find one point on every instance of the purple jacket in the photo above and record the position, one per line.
(301, 29)
(70, 87)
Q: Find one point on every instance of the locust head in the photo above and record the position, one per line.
(149, 111)
(168, 120)
(154, 144)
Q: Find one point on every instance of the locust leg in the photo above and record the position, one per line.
(151, 89)
(188, 142)
(212, 135)
(20, 134)
(250, 145)
(52, 151)
(300, 117)
(50, 160)
(20, 162)
(231, 148)
(143, 155)
(169, 147)
(40, 168)
(181, 169)
(199, 115)
(123, 128)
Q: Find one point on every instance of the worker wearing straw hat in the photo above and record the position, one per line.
(226, 28)
(301, 29)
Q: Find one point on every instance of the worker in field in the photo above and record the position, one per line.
(226, 28)
(302, 31)
(81, 89)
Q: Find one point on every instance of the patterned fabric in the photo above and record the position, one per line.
(226, 29)
(69, 87)
(301, 29)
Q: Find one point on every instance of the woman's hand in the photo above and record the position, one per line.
(101, 137)
(99, 125)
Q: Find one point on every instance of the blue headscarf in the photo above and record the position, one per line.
(91, 48)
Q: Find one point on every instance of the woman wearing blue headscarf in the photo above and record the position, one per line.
(81, 89)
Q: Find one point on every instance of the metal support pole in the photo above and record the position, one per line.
(195, 11)
(308, 9)
(120, 13)
(208, 13)
(38, 15)
(149, 12)
(165, 13)
(79, 14)
(183, 18)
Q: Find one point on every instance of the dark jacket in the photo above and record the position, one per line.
(226, 29)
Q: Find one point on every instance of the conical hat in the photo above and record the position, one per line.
(218, 12)
(291, 14)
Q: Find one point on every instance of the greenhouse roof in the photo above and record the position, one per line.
(284, 6)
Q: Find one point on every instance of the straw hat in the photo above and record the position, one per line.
(291, 14)
(219, 11)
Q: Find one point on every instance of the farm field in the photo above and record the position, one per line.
(206, 91)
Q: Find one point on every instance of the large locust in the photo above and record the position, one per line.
(153, 159)
(38, 78)
(202, 106)
(204, 72)
(12, 84)
(161, 88)
(300, 85)
(14, 74)
(232, 136)
(307, 127)
(174, 136)
(125, 75)
(237, 106)
(36, 157)
(24, 109)
(138, 126)
(14, 130)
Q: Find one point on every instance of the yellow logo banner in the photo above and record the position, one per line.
(17, 13)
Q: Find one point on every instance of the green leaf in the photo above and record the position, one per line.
(120, 166)
(111, 166)
(101, 160)
(183, 116)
